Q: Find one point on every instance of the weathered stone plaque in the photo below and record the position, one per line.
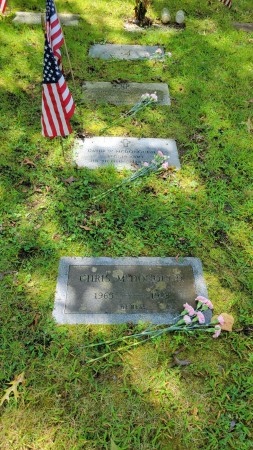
(107, 290)
(122, 152)
(35, 18)
(129, 52)
(123, 93)
(243, 26)
(132, 27)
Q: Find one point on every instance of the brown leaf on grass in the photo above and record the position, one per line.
(35, 320)
(70, 180)
(28, 162)
(84, 227)
(228, 321)
(37, 189)
(20, 379)
(195, 413)
(56, 237)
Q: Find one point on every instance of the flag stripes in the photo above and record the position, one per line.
(55, 110)
(57, 102)
(67, 98)
(2, 5)
(227, 3)
(53, 29)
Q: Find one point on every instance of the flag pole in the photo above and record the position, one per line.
(62, 146)
(43, 25)
(67, 53)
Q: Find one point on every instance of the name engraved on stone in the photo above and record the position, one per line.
(123, 93)
(35, 18)
(139, 288)
(128, 52)
(120, 290)
(120, 85)
(122, 152)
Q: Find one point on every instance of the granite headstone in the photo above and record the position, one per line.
(123, 93)
(122, 152)
(127, 52)
(35, 18)
(106, 290)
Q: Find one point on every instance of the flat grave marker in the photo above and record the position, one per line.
(35, 18)
(113, 291)
(122, 152)
(171, 27)
(127, 52)
(123, 93)
(243, 26)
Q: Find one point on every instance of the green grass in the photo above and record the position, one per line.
(137, 399)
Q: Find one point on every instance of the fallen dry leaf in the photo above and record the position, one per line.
(28, 162)
(56, 237)
(70, 180)
(228, 321)
(195, 413)
(84, 227)
(13, 388)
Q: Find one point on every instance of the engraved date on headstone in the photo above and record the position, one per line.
(114, 289)
(119, 290)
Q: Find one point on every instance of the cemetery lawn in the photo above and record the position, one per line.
(140, 399)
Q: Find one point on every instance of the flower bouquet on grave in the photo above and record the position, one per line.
(157, 165)
(189, 321)
(158, 55)
(145, 101)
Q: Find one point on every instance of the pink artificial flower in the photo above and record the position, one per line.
(217, 331)
(165, 165)
(144, 96)
(189, 309)
(159, 51)
(221, 319)
(160, 153)
(187, 319)
(146, 164)
(154, 97)
(200, 316)
(205, 301)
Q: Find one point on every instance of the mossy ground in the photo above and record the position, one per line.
(137, 399)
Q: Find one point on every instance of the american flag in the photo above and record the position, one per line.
(57, 102)
(2, 5)
(53, 30)
(227, 3)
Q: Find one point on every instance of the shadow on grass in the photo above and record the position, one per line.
(202, 211)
